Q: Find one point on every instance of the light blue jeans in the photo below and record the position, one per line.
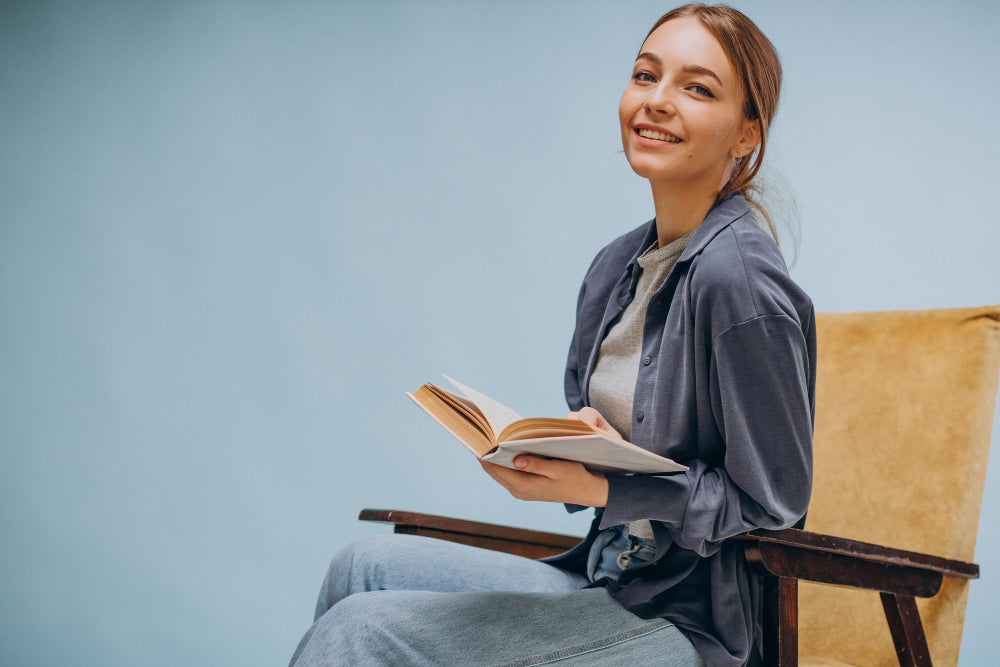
(399, 599)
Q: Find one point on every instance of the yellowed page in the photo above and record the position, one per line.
(463, 406)
(544, 427)
(459, 425)
(497, 414)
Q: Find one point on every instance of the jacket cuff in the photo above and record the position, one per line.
(573, 507)
(656, 498)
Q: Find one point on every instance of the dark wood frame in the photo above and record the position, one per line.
(782, 556)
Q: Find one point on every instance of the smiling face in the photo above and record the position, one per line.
(682, 84)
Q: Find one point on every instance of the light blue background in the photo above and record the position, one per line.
(233, 234)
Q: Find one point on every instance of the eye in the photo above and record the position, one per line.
(637, 76)
(703, 88)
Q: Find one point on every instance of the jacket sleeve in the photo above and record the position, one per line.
(571, 380)
(762, 381)
(575, 365)
(577, 359)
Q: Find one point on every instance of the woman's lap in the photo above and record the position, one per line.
(414, 600)
(580, 627)
(418, 563)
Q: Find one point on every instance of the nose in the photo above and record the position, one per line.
(660, 99)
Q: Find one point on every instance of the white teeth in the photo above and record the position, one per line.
(650, 134)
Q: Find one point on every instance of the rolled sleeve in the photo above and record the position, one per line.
(761, 381)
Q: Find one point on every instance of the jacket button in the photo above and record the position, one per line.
(647, 360)
(639, 415)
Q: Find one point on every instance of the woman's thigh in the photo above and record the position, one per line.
(415, 562)
(582, 627)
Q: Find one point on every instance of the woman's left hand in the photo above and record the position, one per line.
(555, 480)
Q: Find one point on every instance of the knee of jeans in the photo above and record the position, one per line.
(365, 615)
(358, 567)
(347, 632)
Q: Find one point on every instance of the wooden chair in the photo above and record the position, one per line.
(904, 412)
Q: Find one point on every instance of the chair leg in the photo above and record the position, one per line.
(781, 621)
(907, 630)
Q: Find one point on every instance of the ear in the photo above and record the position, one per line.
(751, 135)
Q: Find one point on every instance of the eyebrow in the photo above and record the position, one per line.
(691, 69)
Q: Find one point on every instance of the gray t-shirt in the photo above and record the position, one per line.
(612, 383)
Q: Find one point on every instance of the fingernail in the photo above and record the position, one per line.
(519, 463)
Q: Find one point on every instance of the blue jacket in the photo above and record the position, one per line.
(726, 386)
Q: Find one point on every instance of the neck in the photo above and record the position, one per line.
(679, 209)
(682, 206)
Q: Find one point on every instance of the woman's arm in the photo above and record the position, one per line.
(760, 391)
(760, 394)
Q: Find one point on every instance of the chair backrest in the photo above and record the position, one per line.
(904, 413)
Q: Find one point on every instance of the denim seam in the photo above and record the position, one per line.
(580, 649)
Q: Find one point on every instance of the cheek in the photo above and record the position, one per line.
(623, 113)
(628, 106)
(716, 135)
(724, 130)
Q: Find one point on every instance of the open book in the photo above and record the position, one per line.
(495, 433)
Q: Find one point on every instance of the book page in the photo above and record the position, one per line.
(467, 430)
(497, 414)
(463, 406)
(542, 427)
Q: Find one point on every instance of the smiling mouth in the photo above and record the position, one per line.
(657, 136)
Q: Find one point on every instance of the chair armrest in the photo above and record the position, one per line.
(520, 541)
(787, 553)
(803, 539)
(799, 554)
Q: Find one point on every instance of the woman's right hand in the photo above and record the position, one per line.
(594, 418)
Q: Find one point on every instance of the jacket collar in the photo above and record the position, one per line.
(727, 209)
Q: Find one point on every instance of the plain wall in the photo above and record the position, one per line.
(232, 235)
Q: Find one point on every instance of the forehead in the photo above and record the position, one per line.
(685, 41)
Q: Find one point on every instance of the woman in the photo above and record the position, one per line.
(692, 341)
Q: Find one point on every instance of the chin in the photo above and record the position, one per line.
(655, 172)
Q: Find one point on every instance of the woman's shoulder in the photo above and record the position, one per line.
(612, 259)
(741, 274)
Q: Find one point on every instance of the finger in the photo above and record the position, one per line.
(585, 417)
(596, 419)
(583, 413)
(488, 467)
(521, 485)
(499, 474)
(605, 425)
(502, 474)
(526, 463)
(541, 466)
(492, 469)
